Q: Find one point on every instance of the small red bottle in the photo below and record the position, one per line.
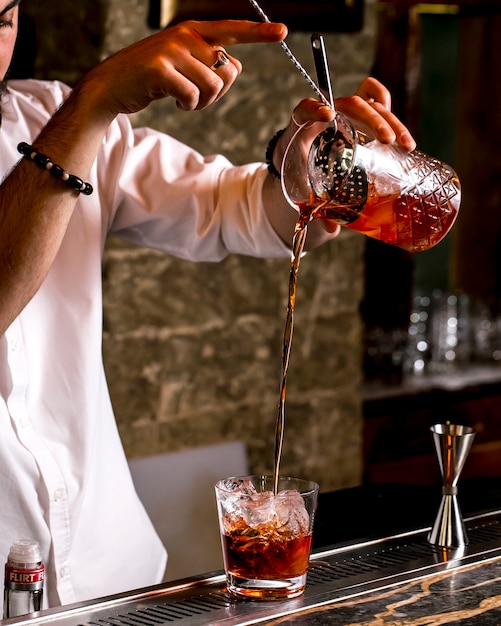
(24, 579)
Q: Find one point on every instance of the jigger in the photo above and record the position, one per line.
(452, 445)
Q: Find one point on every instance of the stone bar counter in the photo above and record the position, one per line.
(463, 596)
(372, 565)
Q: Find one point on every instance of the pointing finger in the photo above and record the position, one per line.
(230, 32)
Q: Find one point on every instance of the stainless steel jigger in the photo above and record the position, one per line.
(452, 445)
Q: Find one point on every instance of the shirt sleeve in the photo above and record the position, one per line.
(162, 194)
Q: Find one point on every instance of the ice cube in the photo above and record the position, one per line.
(291, 514)
(387, 185)
(235, 489)
(239, 486)
(262, 513)
(258, 509)
(243, 505)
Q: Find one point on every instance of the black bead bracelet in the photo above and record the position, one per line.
(269, 153)
(44, 162)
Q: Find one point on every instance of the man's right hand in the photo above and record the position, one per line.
(176, 62)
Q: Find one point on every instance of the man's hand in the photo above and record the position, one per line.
(370, 108)
(176, 62)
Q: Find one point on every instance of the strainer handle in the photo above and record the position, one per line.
(322, 67)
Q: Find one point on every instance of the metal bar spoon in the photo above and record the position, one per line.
(296, 63)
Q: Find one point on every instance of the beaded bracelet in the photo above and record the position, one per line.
(57, 171)
(269, 153)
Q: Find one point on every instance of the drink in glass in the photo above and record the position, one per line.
(266, 537)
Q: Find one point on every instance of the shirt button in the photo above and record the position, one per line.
(58, 495)
(14, 345)
(63, 572)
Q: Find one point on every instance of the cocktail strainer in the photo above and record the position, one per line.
(334, 172)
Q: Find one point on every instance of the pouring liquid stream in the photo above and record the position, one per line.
(324, 92)
(299, 238)
(300, 232)
(306, 214)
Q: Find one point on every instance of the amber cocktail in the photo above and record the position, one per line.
(266, 538)
(406, 199)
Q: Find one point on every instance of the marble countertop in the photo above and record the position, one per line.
(467, 596)
(464, 596)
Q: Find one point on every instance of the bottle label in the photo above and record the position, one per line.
(24, 579)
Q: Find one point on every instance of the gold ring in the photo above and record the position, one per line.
(221, 59)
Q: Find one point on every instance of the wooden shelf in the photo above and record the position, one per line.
(397, 440)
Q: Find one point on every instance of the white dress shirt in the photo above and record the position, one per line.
(64, 478)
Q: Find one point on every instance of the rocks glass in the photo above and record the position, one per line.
(266, 538)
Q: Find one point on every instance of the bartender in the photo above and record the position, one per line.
(74, 170)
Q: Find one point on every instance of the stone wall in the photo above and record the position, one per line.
(193, 351)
